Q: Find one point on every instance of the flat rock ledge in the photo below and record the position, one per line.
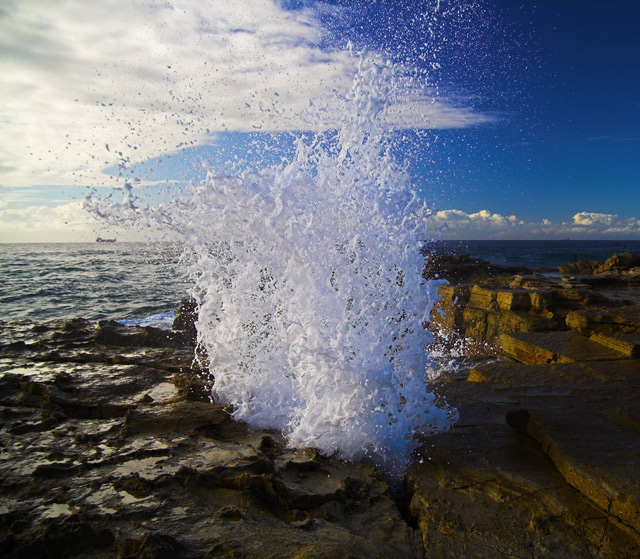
(111, 448)
(545, 459)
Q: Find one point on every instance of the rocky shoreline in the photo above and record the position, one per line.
(544, 460)
(111, 447)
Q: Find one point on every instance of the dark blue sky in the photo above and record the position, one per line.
(565, 78)
(562, 78)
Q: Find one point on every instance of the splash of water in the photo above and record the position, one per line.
(309, 279)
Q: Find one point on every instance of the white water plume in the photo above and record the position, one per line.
(308, 275)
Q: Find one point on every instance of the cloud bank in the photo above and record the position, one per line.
(55, 224)
(67, 222)
(89, 85)
(457, 224)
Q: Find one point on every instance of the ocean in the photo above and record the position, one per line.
(537, 254)
(134, 283)
(140, 283)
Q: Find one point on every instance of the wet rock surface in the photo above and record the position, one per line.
(111, 448)
(544, 460)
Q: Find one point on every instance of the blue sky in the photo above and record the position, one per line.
(533, 109)
(569, 141)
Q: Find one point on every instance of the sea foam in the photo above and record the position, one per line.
(308, 275)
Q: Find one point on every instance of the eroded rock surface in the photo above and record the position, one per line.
(111, 448)
(479, 308)
(544, 460)
(626, 263)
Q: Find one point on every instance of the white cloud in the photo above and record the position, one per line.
(81, 82)
(483, 220)
(494, 219)
(456, 216)
(484, 224)
(590, 218)
(63, 223)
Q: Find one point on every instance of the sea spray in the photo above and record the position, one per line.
(308, 275)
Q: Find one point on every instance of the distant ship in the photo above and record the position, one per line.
(101, 240)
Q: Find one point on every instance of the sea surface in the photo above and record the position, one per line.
(537, 254)
(136, 283)
(140, 283)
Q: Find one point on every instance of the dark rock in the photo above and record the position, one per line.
(111, 333)
(57, 537)
(124, 437)
(111, 447)
(151, 546)
(195, 387)
(459, 268)
(269, 446)
(622, 261)
(186, 318)
(625, 261)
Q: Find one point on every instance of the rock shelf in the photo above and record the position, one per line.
(110, 447)
(544, 461)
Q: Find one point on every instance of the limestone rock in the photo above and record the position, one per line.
(534, 302)
(482, 312)
(542, 463)
(622, 319)
(110, 451)
(622, 261)
(628, 344)
(617, 263)
(554, 347)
